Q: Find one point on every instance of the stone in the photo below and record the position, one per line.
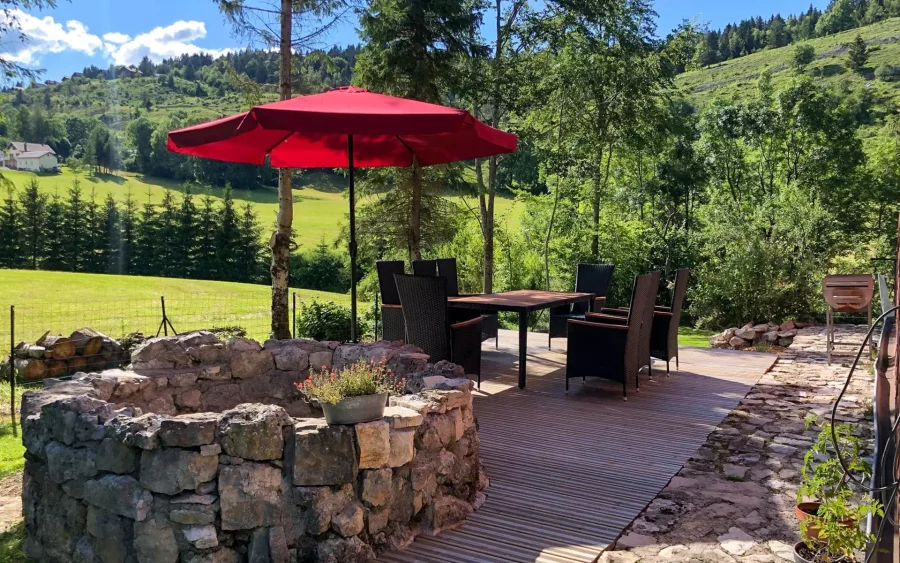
(188, 430)
(288, 355)
(633, 539)
(190, 498)
(110, 532)
(250, 496)
(321, 360)
(65, 463)
(182, 379)
(781, 549)
(253, 431)
(734, 472)
(746, 334)
(737, 342)
(119, 494)
(210, 449)
(377, 520)
(782, 449)
(348, 522)
(344, 550)
(322, 504)
(224, 555)
(191, 517)
(160, 353)
(140, 432)
(323, 455)
(201, 537)
(115, 457)
(376, 487)
(373, 441)
(190, 399)
(672, 551)
(402, 417)
(172, 470)
(448, 511)
(736, 541)
(248, 359)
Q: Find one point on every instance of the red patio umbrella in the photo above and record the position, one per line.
(347, 127)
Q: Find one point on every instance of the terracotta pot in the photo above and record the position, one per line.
(806, 511)
(798, 558)
(353, 410)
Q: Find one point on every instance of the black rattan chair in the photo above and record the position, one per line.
(647, 322)
(424, 268)
(425, 313)
(610, 350)
(664, 337)
(392, 327)
(446, 267)
(590, 278)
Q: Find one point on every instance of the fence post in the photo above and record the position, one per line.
(165, 325)
(12, 368)
(375, 316)
(294, 317)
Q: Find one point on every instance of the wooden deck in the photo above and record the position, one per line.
(569, 472)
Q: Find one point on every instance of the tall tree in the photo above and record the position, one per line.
(34, 217)
(259, 20)
(413, 50)
(10, 231)
(857, 54)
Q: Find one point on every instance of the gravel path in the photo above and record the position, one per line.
(733, 501)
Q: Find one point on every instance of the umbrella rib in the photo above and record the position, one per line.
(279, 141)
(412, 152)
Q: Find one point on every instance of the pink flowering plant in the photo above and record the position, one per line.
(362, 378)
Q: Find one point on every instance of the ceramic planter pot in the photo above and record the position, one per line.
(353, 410)
(806, 511)
(798, 558)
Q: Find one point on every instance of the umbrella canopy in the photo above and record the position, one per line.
(347, 127)
(311, 132)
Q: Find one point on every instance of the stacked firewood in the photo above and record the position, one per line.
(85, 350)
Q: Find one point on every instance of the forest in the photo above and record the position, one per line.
(760, 195)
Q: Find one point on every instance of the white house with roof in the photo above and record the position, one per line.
(30, 156)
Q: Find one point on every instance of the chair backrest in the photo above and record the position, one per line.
(884, 293)
(592, 278)
(681, 279)
(446, 268)
(386, 284)
(424, 302)
(643, 296)
(424, 268)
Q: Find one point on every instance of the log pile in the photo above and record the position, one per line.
(85, 350)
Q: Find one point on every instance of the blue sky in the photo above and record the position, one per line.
(83, 32)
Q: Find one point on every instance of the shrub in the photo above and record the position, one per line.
(362, 378)
(887, 73)
(320, 268)
(325, 320)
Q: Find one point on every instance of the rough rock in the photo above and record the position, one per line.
(189, 430)
(154, 542)
(65, 463)
(348, 522)
(344, 550)
(201, 537)
(323, 455)
(376, 487)
(373, 441)
(172, 470)
(119, 494)
(250, 496)
(115, 457)
(253, 431)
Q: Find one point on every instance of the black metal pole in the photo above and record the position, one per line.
(352, 241)
(294, 317)
(12, 367)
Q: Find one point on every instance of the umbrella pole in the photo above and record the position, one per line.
(352, 242)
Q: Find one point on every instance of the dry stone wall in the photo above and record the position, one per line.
(134, 466)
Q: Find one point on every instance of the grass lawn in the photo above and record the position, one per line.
(117, 305)
(320, 207)
(11, 544)
(688, 336)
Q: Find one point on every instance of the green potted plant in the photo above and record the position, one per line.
(358, 393)
(831, 513)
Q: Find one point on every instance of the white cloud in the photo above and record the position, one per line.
(41, 36)
(46, 35)
(162, 43)
(116, 37)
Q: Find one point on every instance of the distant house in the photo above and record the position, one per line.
(51, 82)
(127, 71)
(30, 156)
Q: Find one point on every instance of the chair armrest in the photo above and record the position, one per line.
(600, 318)
(598, 303)
(465, 324)
(618, 311)
(662, 308)
(598, 325)
(662, 313)
(389, 306)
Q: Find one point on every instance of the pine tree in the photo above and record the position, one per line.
(168, 223)
(93, 243)
(55, 235)
(111, 253)
(249, 248)
(206, 263)
(186, 243)
(34, 217)
(147, 239)
(10, 231)
(128, 227)
(857, 54)
(227, 237)
(75, 230)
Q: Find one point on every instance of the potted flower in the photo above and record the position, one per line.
(831, 513)
(358, 393)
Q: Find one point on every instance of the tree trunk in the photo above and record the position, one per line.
(281, 238)
(415, 242)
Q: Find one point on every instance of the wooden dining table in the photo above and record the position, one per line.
(521, 301)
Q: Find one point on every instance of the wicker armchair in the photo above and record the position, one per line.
(424, 268)
(610, 350)
(392, 327)
(590, 278)
(425, 312)
(446, 267)
(664, 337)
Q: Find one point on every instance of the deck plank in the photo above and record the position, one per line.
(570, 471)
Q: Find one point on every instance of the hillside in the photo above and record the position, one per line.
(736, 78)
(320, 206)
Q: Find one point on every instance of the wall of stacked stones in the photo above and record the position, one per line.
(126, 466)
